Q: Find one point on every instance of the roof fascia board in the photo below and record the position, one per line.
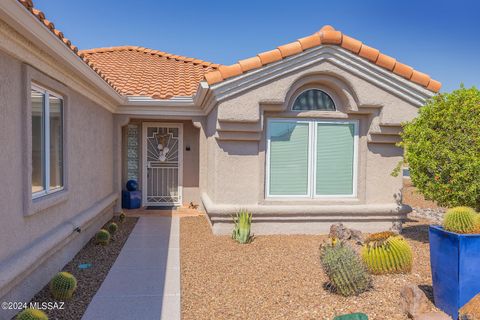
(145, 110)
(25, 23)
(145, 105)
(364, 69)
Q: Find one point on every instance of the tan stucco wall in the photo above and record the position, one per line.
(236, 169)
(88, 136)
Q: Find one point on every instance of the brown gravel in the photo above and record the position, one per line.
(89, 280)
(414, 198)
(280, 277)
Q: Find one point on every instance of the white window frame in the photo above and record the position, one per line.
(312, 158)
(46, 136)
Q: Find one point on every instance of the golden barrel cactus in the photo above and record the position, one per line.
(387, 252)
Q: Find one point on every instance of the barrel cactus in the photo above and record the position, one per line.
(31, 314)
(460, 220)
(122, 217)
(112, 228)
(102, 237)
(346, 272)
(387, 252)
(241, 230)
(63, 285)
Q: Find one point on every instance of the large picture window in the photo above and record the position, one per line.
(47, 142)
(311, 158)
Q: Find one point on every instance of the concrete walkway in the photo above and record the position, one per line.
(144, 282)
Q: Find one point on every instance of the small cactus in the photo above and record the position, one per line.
(387, 252)
(460, 220)
(241, 230)
(122, 217)
(31, 314)
(112, 228)
(63, 285)
(102, 237)
(346, 272)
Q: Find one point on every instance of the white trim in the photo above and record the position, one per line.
(311, 190)
(46, 142)
(146, 125)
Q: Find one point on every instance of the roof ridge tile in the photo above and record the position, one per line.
(326, 35)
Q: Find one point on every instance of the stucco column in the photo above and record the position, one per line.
(119, 122)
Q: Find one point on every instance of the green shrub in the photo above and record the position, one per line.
(461, 220)
(112, 228)
(63, 285)
(241, 230)
(442, 148)
(122, 217)
(387, 252)
(31, 314)
(345, 270)
(102, 237)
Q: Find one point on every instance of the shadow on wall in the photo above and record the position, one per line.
(385, 150)
(239, 148)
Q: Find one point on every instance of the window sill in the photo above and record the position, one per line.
(45, 202)
(310, 201)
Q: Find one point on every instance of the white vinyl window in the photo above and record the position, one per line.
(311, 158)
(47, 142)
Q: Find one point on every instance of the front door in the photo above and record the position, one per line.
(162, 159)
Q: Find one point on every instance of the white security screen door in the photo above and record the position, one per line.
(162, 158)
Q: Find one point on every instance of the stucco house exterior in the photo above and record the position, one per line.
(302, 136)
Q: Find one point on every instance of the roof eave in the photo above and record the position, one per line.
(408, 90)
(15, 14)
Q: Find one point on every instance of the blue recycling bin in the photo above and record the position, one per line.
(131, 199)
(455, 264)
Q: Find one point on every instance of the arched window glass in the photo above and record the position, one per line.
(313, 99)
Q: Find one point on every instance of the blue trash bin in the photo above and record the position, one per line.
(131, 199)
(455, 264)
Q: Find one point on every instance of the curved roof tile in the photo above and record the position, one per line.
(147, 72)
(326, 35)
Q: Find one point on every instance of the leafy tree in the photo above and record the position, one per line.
(442, 148)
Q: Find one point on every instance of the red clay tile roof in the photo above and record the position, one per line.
(139, 71)
(28, 4)
(326, 35)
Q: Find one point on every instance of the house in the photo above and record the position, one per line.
(302, 136)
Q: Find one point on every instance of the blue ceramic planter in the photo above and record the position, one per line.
(455, 263)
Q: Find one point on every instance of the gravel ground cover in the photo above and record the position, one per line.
(280, 277)
(89, 280)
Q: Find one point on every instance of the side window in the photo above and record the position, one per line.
(47, 142)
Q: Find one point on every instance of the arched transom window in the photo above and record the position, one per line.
(313, 99)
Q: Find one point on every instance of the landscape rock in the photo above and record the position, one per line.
(339, 231)
(433, 214)
(432, 316)
(413, 300)
(396, 227)
(471, 310)
(357, 236)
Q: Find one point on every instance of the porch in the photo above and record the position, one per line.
(162, 155)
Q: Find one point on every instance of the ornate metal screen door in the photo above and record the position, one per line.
(163, 164)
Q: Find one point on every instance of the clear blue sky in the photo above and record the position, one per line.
(438, 37)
